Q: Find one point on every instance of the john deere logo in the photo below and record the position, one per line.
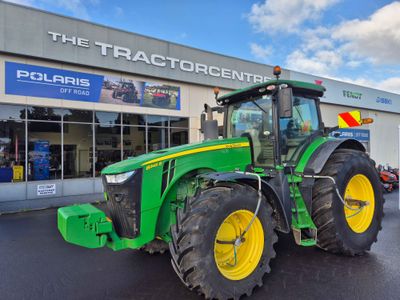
(352, 95)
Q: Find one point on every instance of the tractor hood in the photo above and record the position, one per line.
(157, 157)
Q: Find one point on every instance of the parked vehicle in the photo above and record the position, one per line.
(388, 179)
(395, 172)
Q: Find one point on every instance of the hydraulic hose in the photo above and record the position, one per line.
(337, 192)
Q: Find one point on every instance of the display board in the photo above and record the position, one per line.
(39, 81)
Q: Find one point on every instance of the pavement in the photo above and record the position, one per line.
(36, 263)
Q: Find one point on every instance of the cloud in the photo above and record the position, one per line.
(76, 7)
(286, 15)
(321, 62)
(118, 11)
(259, 51)
(376, 38)
(363, 45)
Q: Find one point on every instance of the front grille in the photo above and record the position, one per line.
(123, 205)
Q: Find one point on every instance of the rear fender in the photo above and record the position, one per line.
(320, 156)
(277, 196)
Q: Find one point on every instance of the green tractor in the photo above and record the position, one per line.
(217, 205)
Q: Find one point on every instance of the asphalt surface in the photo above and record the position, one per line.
(36, 263)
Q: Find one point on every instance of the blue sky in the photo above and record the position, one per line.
(356, 41)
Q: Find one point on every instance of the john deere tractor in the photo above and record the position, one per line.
(217, 205)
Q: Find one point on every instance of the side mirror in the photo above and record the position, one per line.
(202, 121)
(285, 99)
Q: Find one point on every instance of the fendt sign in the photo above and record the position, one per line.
(158, 60)
(342, 93)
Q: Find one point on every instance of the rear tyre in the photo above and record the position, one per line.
(340, 229)
(155, 247)
(214, 215)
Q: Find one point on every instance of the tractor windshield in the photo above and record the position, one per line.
(253, 118)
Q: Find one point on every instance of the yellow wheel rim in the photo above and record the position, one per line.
(359, 188)
(238, 262)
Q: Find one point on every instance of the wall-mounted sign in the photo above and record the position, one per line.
(352, 95)
(361, 135)
(156, 59)
(118, 90)
(348, 94)
(37, 81)
(46, 189)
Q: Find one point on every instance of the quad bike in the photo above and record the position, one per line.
(387, 178)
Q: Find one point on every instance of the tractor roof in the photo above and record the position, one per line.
(254, 90)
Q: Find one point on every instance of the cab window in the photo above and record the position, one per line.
(295, 130)
(253, 119)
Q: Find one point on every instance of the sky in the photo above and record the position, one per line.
(357, 41)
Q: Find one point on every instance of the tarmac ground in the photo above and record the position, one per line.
(36, 263)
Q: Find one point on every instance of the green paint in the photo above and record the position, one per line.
(158, 209)
(309, 152)
(87, 226)
(83, 225)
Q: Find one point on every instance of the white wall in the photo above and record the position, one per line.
(383, 132)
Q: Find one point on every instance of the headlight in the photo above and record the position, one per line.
(119, 178)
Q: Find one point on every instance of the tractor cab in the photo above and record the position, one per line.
(279, 117)
(254, 118)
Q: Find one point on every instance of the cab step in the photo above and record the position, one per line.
(299, 234)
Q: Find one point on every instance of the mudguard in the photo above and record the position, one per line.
(276, 190)
(320, 156)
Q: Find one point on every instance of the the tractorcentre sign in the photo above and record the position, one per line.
(158, 60)
(48, 36)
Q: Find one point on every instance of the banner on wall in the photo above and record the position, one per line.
(361, 135)
(38, 81)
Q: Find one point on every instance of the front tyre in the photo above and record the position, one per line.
(201, 249)
(353, 229)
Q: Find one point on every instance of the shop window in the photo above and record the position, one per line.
(157, 121)
(109, 118)
(76, 115)
(44, 151)
(132, 119)
(12, 151)
(12, 112)
(178, 122)
(157, 138)
(78, 150)
(44, 113)
(179, 137)
(134, 141)
(108, 146)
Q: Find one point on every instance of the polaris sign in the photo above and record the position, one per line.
(30, 80)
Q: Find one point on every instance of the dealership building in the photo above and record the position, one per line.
(77, 96)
